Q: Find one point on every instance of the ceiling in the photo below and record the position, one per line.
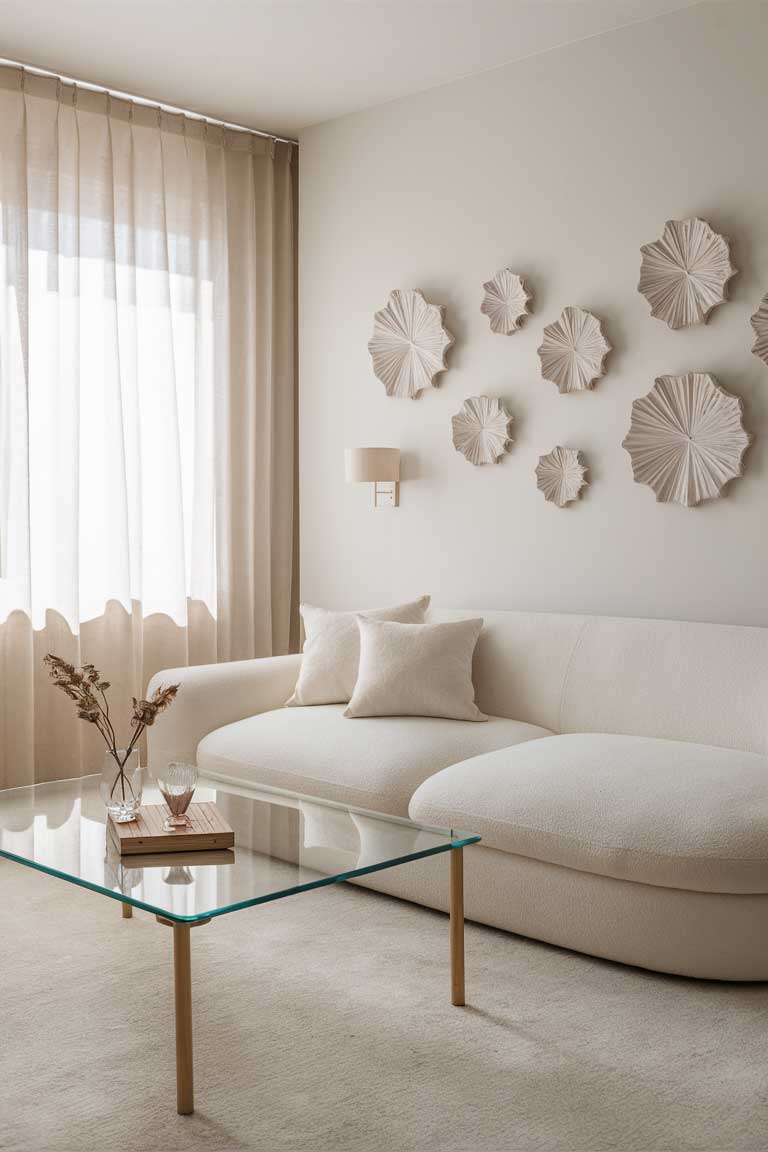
(281, 65)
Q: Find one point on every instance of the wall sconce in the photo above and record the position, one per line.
(377, 466)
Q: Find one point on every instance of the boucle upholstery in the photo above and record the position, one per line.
(709, 935)
(707, 683)
(655, 811)
(373, 763)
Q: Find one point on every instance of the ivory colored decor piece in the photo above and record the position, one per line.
(759, 324)
(416, 670)
(686, 438)
(561, 475)
(481, 429)
(409, 343)
(505, 302)
(332, 650)
(683, 275)
(573, 350)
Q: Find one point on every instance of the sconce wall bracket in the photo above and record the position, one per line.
(386, 494)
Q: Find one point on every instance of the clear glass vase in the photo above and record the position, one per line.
(121, 785)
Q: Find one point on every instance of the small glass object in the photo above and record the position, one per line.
(121, 785)
(177, 784)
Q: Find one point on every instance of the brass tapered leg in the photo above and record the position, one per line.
(182, 988)
(127, 911)
(457, 926)
(182, 996)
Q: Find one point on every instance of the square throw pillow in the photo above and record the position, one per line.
(332, 650)
(416, 670)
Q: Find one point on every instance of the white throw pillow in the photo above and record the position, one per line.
(332, 650)
(416, 670)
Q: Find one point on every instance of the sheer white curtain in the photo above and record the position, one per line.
(147, 378)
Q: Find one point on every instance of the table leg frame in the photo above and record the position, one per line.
(182, 996)
(182, 1000)
(182, 978)
(457, 927)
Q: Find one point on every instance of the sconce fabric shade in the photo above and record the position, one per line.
(369, 465)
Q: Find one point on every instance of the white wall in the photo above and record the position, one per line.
(561, 167)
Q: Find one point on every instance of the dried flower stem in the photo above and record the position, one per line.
(87, 690)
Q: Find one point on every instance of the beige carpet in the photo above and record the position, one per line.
(323, 1023)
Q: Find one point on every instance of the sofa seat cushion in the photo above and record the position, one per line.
(661, 812)
(373, 763)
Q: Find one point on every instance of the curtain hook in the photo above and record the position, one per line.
(130, 112)
(74, 95)
(109, 104)
(23, 80)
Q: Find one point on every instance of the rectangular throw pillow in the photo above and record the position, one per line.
(332, 650)
(416, 670)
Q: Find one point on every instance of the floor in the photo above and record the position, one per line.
(323, 1024)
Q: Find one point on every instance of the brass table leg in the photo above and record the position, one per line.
(182, 998)
(127, 911)
(182, 993)
(457, 926)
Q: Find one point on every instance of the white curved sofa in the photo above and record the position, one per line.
(620, 784)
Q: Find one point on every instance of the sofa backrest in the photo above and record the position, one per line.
(705, 683)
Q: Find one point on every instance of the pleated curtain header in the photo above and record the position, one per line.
(95, 103)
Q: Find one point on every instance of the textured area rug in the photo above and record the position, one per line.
(323, 1024)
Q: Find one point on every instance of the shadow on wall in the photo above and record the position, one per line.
(41, 736)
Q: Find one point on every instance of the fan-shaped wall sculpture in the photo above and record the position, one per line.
(573, 350)
(686, 438)
(505, 302)
(759, 324)
(561, 475)
(481, 429)
(409, 343)
(683, 275)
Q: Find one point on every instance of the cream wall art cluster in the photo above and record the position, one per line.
(683, 276)
(759, 324)
(481, 429)
(409, 343)
(561, 475)
(573, 351)
(506, 301)
(686, 438)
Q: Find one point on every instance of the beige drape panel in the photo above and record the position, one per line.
(147, 393)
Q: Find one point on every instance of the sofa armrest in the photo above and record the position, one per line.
(211, 695)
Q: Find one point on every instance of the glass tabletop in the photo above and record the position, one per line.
(284, 843)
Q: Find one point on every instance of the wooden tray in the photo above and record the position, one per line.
(209, 830)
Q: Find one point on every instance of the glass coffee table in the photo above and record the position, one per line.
(285, 843)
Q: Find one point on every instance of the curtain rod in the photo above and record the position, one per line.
(4, 61)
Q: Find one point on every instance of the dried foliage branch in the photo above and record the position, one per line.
(87, 690)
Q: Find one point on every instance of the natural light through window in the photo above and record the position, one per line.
(121, 385)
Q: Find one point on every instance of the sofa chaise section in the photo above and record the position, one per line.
(651, 852)
(658, 812)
